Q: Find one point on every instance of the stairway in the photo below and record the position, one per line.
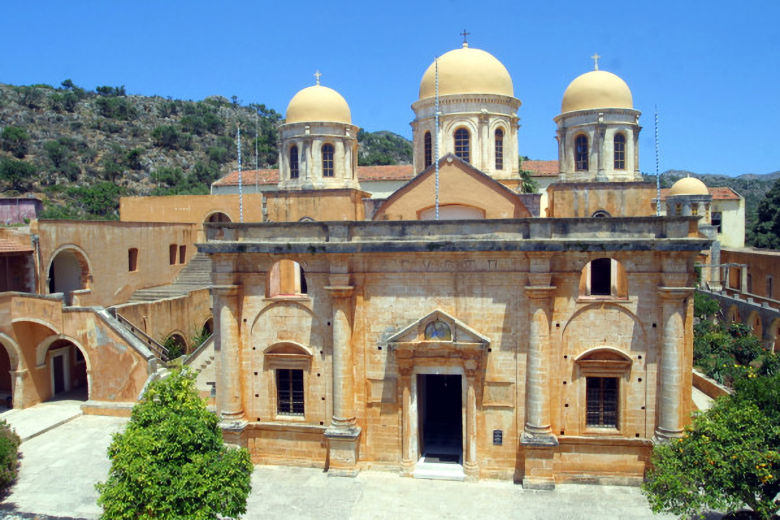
(195, 275)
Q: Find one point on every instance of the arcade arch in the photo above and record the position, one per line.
(69, 271)
(67, 366)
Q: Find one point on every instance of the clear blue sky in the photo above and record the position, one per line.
(712, 68)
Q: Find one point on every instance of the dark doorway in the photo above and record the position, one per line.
(440, 420)
(59, 374)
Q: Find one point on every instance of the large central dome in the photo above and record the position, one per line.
(318, 104)
(467, 71)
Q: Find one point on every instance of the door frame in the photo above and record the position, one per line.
(414, 414)
(65, 353)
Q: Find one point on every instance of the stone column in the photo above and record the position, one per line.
(538, 440)
(470, 464)
(408, 456)
(670, 373)
(227, 345)
(342, 434)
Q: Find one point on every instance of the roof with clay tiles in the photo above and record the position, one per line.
(12, 246)
(541, 168)
(718, 193)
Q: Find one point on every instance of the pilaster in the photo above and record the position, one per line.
(228, 352)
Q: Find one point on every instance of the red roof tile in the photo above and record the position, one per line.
(718, 193)
(393, 172)
(541, 168)
(10, 246)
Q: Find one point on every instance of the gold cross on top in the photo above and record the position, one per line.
(317, 75)
(595, 58)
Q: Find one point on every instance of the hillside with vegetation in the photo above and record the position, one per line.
(79, 150)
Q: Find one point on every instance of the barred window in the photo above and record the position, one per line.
(581, 153)
(294, 162)
(327, 160)
(428, 144)
(289, 391)
(602, 402)
(462, 148)
(499, 149)
(620, 152)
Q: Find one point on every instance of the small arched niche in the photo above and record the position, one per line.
(286, 278)
(452, 212)
(218, 217)
(604, 278)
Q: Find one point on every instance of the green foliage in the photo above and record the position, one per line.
(132, 158)
(17, 173)
(168, 108)
(31, 97)
(705, 307)
(15, 139)
(383, 148)
(173, 347)
(9, 455)
(99, 200)
(56, 211)
(171, 463)
(727, 458)
(114, 107)
(201, 118)
(766, 230)
(111, 91)
(168, 136)
(57, 153)
(218, 154)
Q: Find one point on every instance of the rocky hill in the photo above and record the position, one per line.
(79, 150)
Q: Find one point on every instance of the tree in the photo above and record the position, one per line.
(766, 231)
(171, 462)
(527, 184)
(727, 458)
(9, 455)
(14, 139)
(16, 172)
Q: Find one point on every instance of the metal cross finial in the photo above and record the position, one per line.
(317, 75)
(596, 61)
(465, 35)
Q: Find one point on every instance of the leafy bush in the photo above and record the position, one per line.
(171, 462)
(111, 91)
(115, 107)
(15, 139)
(9, 455)
(168, 136)
(727, 458)
(16, 172)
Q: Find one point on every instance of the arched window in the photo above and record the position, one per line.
(499, 149)
(286, 278)
(601, 213)
(620, 152)
(462, 147)
(428, 145)
(604, 277)
(294, 162)
(581, 153)
(327, 160)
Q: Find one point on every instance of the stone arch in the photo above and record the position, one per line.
(603, 352)
(289, 348)
(177, 337)
(604, 278)
(732, 316)
(208, 326)
(290, 303)
(452, 212)
(754, 322)
(217, 216)
(774, 335)
(69, 270)
(72, 372)
(8, 380)
(636, 338)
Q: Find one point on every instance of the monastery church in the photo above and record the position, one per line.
(450, 327)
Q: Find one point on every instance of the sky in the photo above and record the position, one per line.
(710, 69)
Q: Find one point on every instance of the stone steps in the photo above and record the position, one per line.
(194, 276)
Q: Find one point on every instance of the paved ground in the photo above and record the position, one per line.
(60, 467)
(41, 418)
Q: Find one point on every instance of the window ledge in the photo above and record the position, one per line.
(605, 299)
(289, 418)
(288, 298)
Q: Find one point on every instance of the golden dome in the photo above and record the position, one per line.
(596, 89)
(689, 186)
(318, 103)
(467, 71)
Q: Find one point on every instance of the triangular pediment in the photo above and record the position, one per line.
(459, 332)
(461, 185)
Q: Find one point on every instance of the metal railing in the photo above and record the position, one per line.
(154, 345)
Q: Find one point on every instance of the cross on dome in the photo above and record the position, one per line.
(317, 75)
(465, 35)
(595, 58)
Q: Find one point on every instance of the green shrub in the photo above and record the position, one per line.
(15, 139)
(9, 455)
(115, 107)
(170, 462)
(17, 173)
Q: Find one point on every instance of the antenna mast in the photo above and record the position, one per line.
(657, 175)
(240, 186)
(436, 122)
(257, 137)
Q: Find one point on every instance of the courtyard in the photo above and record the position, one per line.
(61, 465)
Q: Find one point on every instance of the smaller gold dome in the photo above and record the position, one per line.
(467, 71)
(689, 186)
(318, 103)
(596, 89)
